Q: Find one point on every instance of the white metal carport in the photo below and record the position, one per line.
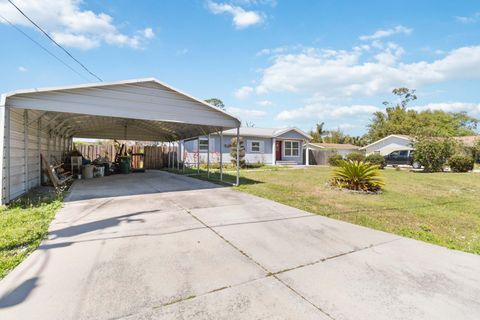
(46, 120)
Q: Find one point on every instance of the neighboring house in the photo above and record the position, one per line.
(264, 145)
(389, 144)
(342, 149)
(468, 141)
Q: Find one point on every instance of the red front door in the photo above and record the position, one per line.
(278, 150)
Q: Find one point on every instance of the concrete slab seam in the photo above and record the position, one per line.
(257, 263)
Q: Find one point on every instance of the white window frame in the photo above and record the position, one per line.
(291, 149)
(259, 146)
(205, 147)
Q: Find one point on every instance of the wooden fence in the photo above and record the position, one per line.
(319, 157)
(156, 157)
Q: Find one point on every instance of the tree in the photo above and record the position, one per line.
(320, 135)
(317, 134)
(233, 151)
(399, 119)
(216, 102)
(433, 153)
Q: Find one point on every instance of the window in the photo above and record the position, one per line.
(291, 148)
(203, 144)
(255, 146)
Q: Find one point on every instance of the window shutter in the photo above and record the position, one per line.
(249, 146)
(262, 146)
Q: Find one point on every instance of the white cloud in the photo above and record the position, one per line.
(241, 17)
(247, 112)
(386, 33)
(148, 33)
(22, 69)
(182, 52)
(71, 25)
(243, 92)
(265, 103)
(451, 107)
(326, 111)
(344, 126)
(341, 73)
(474, 18)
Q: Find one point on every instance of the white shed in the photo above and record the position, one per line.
(45, 121)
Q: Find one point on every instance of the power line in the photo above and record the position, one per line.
(55, 42)
(43, 48)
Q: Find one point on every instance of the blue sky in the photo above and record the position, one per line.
(273, 63)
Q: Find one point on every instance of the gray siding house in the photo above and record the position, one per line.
(264, 145)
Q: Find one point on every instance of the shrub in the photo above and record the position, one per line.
(357, 175)
(335, 159)
(433, 153)
(376, 159)
(355, 156)
(461, 163)
(233, 152)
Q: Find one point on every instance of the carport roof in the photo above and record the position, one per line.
(142, 109)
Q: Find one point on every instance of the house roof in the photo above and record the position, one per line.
(401, 136)
(264, 132)
(338, 146)
(140, 109)
(469, 141)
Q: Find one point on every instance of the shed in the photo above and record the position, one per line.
(46, 120)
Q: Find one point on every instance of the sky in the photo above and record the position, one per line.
(274, 63)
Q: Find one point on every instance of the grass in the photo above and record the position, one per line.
(23, 225)
(440, 208)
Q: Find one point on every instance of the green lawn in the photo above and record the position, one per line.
(23, 225)
(441, 208)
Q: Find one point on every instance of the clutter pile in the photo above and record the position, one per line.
(76, 166)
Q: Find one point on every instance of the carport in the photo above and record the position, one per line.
(36, 121)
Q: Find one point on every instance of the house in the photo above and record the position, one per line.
(389, 144)
(396, 142)
(264, 145)
(342, 149)
(468, 141)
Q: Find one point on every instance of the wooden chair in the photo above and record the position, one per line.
(52, 174)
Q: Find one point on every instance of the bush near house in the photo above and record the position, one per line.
(233, 152)
(355, 156)
(358, 176)
(461, 163)
(376, 159)
(335, 159)
(433, 153)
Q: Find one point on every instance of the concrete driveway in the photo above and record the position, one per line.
(160, 246)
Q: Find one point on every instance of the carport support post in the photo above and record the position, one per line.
(221, 153)
(198, 155)
(208, 158)
(182, 155)
(307, 156)
(238, 157)
(178, 153)
(168, 153)
(25, 146)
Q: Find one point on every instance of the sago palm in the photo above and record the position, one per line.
(357, 175)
